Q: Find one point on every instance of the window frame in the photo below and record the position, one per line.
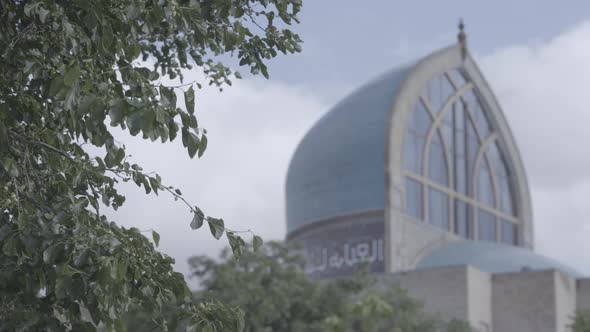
(456, 103)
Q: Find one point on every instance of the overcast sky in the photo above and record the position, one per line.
(540, 73)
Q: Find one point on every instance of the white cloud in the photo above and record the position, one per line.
(253, 128)
(562, 228)
(544, 92)
(544, 89)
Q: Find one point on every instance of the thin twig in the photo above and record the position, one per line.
(16, 39)
(249, 13)
(118, 173)
(42, 144)
(97, 207)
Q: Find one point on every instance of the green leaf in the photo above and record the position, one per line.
(81, 258)
(189, 100)
(231, 38)
(9, 247)
(53, 253)
(148, 291)
(148, 119)
(43, 14)
(3, 137)
(62, 286)
(134, 122)
(48, 255)
(192, 121)
(155, 184)
(197, 221)
(71, 98)
(236, 243)
(144, 72)
(216, 226)
(86, 105)
(257, 242)
(42, 280)
(56, 87)
(192, 142)
(119, 156)
(203, 145)
(146, 184)
(121, 269)
(117, 112)
(10, 167)
(156, 237)
(107, 36)
(167, 97)
(85, 315)
(28, 65)
(30, 8)
(241, 323)
(173, 129)
(185, 120)
(72, 75)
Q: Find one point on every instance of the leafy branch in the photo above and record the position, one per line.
(151, 183)
(68, 70)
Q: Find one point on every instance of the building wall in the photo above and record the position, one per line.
(442, 290)
(456, 292)
(533, 301)
(479, 298)
(565, 301)
(405, 254)
(524, 302)
(583, 294)
(337, 247)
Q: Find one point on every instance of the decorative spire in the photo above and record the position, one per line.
(462, 38)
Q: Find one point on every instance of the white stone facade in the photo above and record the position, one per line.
(532, 301)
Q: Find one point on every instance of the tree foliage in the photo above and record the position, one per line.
(581, 321)
(276, 295)
(69, 71)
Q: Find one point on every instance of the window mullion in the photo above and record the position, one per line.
(463, 152)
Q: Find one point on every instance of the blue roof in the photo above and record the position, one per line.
(339, 166)
(492, 257)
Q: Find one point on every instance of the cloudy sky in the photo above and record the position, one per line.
(535, 54)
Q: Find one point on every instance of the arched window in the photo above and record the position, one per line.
(457, 178)
(420, 122)
(485, 186)
(438, 169)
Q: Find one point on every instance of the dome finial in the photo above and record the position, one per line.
(462, 39)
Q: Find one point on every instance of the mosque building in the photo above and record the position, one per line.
(418, 175)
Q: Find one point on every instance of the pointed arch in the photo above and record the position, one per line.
(415, 138)
(469, 124)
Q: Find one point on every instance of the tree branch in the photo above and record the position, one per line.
(43, 144)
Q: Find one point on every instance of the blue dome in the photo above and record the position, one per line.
(339, 166)
(493, 258)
